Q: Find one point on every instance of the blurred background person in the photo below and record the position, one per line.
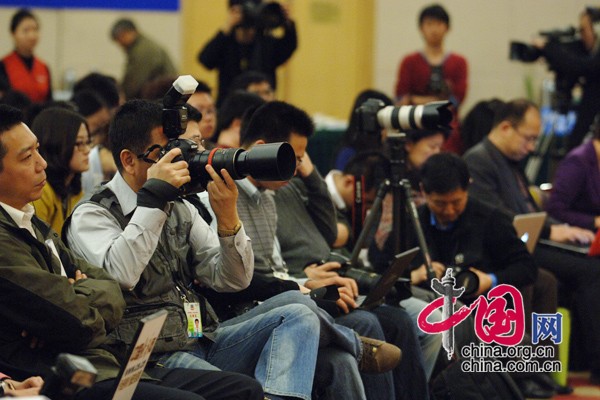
(434, 74)
(355, 141)
(65, 145)
(245, 43)
(146, 59)
(203, 101)
(232, 111)
(20, 68)
(254, 82)
(575, 195)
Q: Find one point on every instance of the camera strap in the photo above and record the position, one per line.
(358, 208)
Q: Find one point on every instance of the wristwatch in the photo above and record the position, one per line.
(230, 232)
(4, 384)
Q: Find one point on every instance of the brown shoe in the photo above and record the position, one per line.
(378, 356)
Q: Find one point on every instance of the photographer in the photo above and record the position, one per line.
(581, 61)
(242, 44)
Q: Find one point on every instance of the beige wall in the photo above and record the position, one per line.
(344, 45)
(481, 31)
(80, 39)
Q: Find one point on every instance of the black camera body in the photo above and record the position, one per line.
(465, 278)
(69, 374)
(270, 162)
(367, 280)
(259, 15)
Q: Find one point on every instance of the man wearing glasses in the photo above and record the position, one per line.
(499, 180)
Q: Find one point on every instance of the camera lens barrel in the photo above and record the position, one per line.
(434, 116)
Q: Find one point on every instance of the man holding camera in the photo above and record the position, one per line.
(244, 44)
(54, 302)
(579, 62)
(158, 248)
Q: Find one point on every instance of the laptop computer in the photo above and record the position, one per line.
(587, 249)
(528, 227)
(138, 354)
(387, 280)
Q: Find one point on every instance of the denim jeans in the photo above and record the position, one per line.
(278, 347)
(337, 367)
(430, 344)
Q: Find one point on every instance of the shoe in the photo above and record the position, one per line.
(378, 356)
(548, 383)
(530, 389)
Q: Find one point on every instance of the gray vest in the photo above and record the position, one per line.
(164, 282)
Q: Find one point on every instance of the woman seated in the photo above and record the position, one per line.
(65, 145)
(575, 197)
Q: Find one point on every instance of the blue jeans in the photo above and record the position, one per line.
(430, 344)
(337, 367)
(278, 347)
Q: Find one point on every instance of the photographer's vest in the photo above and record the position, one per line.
(164, 282)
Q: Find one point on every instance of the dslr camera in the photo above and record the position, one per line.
(374, 115)
(466, 278)
(259, 15)
(268, 162)
(69, 374)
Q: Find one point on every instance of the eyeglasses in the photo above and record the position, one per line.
(82, 145)
(145, 155)
(529, 138)
(198, 139)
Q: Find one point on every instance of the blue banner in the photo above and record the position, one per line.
(146, 5)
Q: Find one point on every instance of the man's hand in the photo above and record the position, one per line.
(78, 275)
(234, 17)
(485, 281)
(419, 275)
(174, 173)
(323, 271)
(223, 194)
(29, 387)
(566, 233)
(347, 288)
(306, 166)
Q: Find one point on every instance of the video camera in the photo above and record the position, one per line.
(267, 162)
(259, 15)
(374, 115)
(564, 80)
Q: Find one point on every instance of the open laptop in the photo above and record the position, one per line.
(588, 249)
(387, 280)
(138, 354)
(528, 227)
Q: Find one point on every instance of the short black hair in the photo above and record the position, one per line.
(88, 102)
(202, 87)
(513, 111)
(104, 85)
(122, 25)
(234, 107)
(9, 117)
(274, 122)
(444, 173)
(415, 135)
(434, 11)
(374, 166)
(131, 128)
(478, 122)
(19, 16)
(247, 78)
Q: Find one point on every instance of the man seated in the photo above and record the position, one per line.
(499, 180)
(54, 302)
(277, 122)
(158, 247)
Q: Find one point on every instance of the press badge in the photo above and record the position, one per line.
(194, 321)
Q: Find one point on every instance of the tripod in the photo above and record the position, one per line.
(403, 205)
